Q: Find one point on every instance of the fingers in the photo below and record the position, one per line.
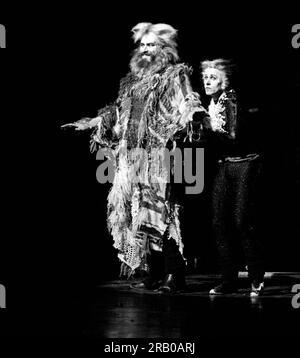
(67, 125)
(140, 243)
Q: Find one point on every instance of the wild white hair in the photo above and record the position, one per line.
(167, 46)
(166, 35)
(223, 65)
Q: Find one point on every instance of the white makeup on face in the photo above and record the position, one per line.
(213, 81)
(148, 45)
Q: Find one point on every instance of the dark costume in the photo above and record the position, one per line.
(235, 189)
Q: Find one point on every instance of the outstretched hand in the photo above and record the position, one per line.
(84, 123)
(79, 126)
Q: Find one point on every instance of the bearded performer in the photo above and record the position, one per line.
(155, 104)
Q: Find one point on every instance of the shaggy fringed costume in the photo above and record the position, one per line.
(150, 109)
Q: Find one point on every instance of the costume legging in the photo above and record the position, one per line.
(234, 203)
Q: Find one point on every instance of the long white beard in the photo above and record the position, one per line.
(140, 66)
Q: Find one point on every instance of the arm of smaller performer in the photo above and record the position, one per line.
(224, 139)
(229, 113)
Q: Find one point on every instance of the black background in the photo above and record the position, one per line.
(63, 64)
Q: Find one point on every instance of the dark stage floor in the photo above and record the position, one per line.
(117, 311)
(112, 310)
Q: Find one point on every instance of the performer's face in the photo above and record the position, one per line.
(213, 80)
(148, 47)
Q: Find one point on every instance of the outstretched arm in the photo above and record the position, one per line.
(105, 133)
(84, 123)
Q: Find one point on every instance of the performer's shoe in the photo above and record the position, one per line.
(146, 284)
(224, 288)
(172, 283)
(257, 288)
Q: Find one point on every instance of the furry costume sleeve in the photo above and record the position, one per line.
(189, 113)
(105, 134)
(186, 101)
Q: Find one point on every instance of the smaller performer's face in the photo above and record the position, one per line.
(148, 47)
(212, 80)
